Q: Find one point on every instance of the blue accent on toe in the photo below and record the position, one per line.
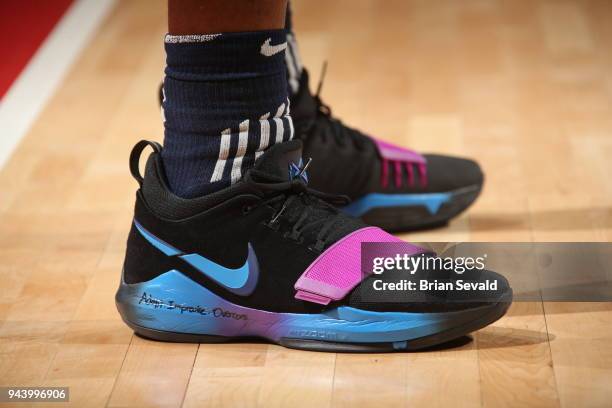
(431, 201)
(156, 242)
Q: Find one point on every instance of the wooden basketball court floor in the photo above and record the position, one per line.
(524, 86)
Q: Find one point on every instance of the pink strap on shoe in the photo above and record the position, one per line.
(395, 153)
(338, 270)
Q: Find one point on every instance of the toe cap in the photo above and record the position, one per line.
(446, 173)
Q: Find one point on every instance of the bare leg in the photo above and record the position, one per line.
(223, 16)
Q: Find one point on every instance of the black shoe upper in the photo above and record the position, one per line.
(350, 163)
(287, 224)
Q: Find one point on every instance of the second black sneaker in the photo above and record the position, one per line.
(390, 186)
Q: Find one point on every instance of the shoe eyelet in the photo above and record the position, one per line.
(246, 209)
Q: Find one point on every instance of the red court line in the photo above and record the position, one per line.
(24, 25)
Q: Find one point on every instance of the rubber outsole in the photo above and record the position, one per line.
(411, 218)
(491, 313)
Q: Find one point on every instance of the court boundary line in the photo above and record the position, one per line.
(35, 85)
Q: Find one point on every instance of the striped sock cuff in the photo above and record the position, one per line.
(225, 102)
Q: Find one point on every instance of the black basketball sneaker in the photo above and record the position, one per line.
(269, 257)
(390, 186)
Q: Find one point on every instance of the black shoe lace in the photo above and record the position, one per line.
(325, 124)
(317, 210)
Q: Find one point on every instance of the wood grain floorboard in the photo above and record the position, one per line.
(523, 86)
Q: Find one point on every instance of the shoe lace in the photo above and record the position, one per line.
(325, 124)
(314, 209)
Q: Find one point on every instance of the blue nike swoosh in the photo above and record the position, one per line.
(241, 280)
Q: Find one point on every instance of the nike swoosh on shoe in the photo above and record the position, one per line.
(240, 281)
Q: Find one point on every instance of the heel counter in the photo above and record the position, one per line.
(131, 272)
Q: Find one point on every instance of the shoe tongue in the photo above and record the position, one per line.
(279, 159)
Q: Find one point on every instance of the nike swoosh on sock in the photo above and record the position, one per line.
(269, 50)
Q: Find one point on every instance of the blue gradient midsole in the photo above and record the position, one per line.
(431, 201)
(172, 302)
